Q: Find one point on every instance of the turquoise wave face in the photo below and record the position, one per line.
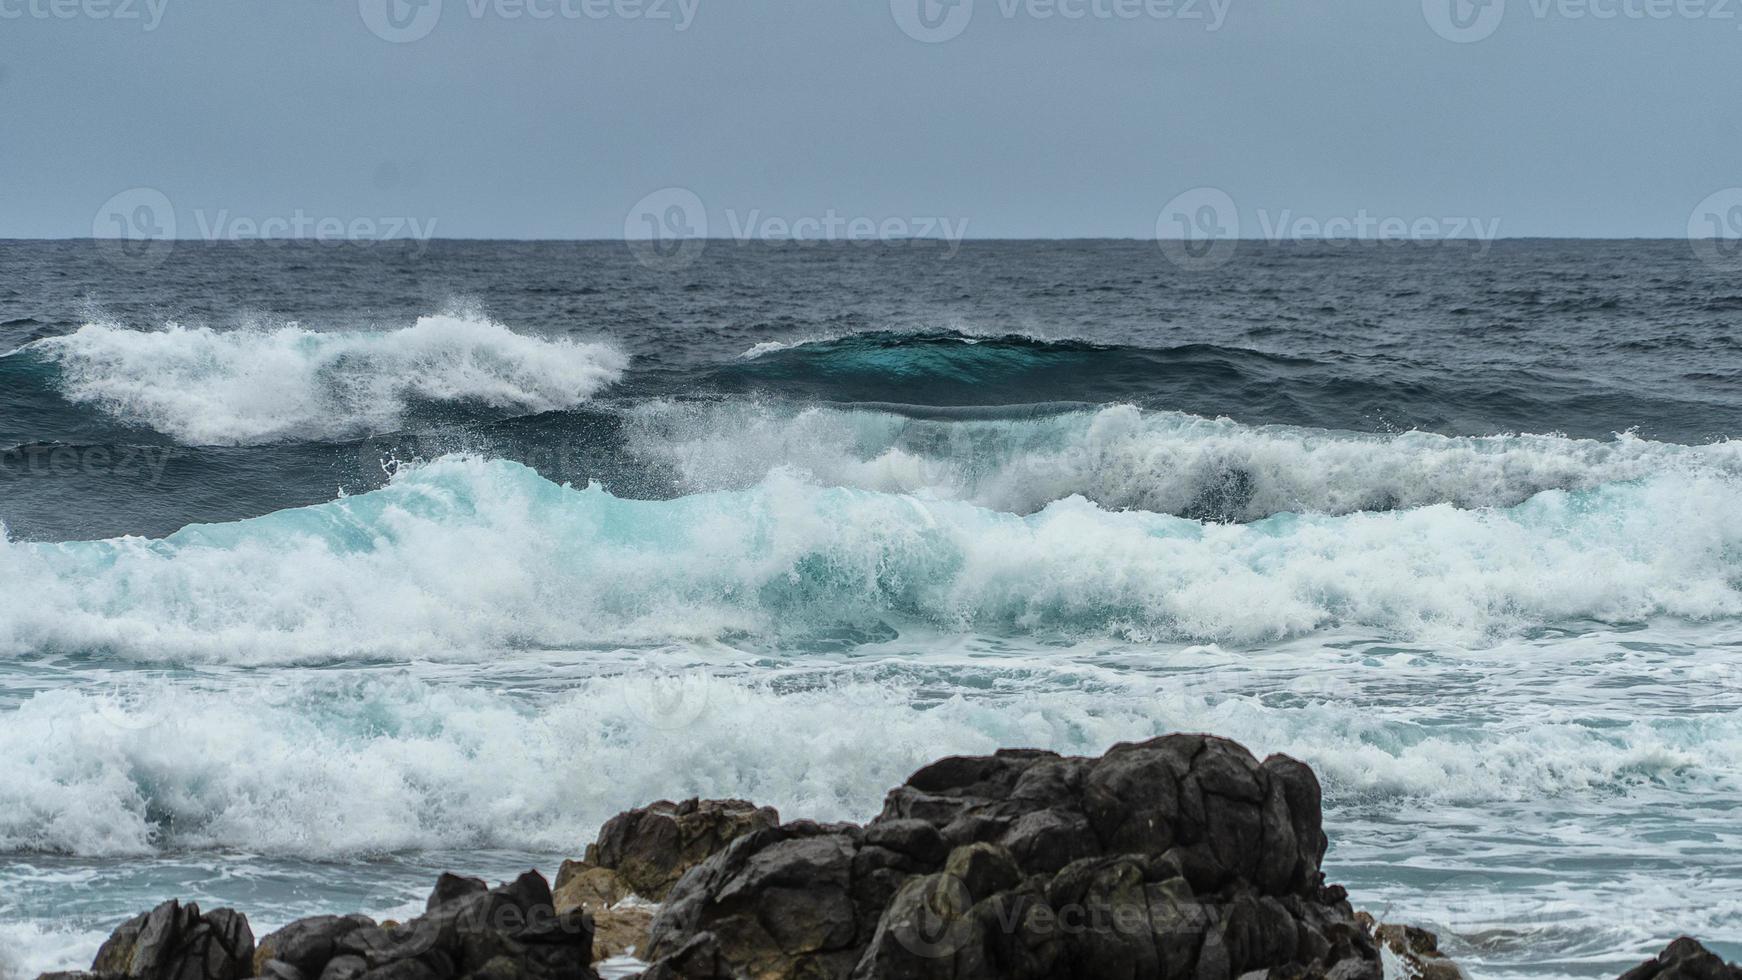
(949, 368)
(944, 356)
(464, 557)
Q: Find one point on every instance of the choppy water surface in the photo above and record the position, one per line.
(326, 570)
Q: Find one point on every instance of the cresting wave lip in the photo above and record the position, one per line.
(250, 386)
(953, 355)
(463, 558)
(873, 344)
(1124, 458)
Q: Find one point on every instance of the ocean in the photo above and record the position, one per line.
(331, 566)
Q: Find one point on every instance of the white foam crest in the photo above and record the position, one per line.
(464, 557)
(303, 766)
(31, 948)
(250, 386)
(1125, 458)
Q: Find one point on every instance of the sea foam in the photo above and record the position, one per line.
(303, 764)
(465, 557)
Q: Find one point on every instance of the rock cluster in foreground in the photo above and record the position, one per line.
(1180, 858)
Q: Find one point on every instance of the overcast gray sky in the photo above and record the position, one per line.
(479, 119)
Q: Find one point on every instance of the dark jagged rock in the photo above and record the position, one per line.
(1179, 857)
(1684, 959)
(512, 932)
(450, 887)
(641, 853)
(650, 848)
(306, 944)
(176, 942)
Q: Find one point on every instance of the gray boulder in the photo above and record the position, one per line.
(649, 849)
(469, 932)
(1684, 959)
(1179, 857)
(175, 942)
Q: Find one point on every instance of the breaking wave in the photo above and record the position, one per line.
(1124, 458)
(250, 386)
(464, 556)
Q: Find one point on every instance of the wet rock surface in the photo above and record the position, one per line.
(175, 942)
(1684, 959)
(1417, 951)
(650, 848)
(467, 931)
(1179, 857)
(640, 855)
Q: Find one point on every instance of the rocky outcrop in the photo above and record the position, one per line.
(639, 855)
(468, 932)
(1417, 950)
(175, 942)
(1684, 959)
(1178, 857)
(650, 848)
